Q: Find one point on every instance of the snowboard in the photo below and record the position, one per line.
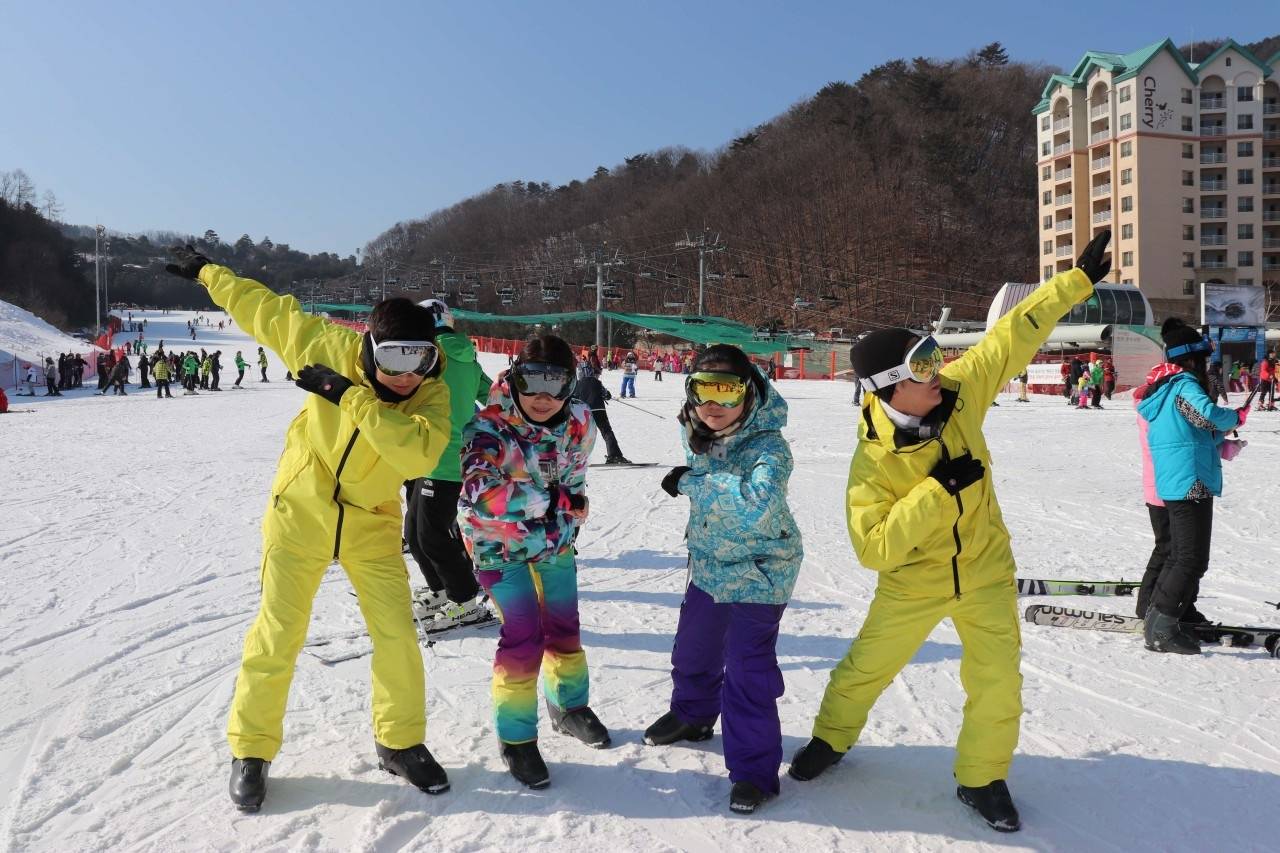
(1226, 635)
(1035, 586)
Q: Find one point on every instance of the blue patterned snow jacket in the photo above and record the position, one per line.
(1185, 429)
(744, 545)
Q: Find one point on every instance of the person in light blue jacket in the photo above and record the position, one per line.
(1187, 436)
(744, 556)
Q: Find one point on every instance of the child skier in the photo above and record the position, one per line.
(922, 511)
(524, 467)
(744, 555)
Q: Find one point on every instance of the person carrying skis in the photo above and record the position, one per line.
(922, 512)
(241, 364)
(591, 391)
(431, 522)
(376, 415)
(1186, 435)
(524, 471)
(744, 556)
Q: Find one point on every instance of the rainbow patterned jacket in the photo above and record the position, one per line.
(509, 468)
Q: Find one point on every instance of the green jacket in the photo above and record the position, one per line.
(467, 386)
(189, 366)
(241, 364)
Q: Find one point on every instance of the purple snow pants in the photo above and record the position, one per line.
(725, 664)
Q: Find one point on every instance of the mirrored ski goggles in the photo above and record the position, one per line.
(396, 358)
(536, 377)
(723, 389)
(922, 364)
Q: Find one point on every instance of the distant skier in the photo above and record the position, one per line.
(241, 364)
(51, 378)
(629, 371)
(262, 363)
(375, 412)
(922, 511)
(744, 556)
(30, 381)
(162, 372)
(592, 392)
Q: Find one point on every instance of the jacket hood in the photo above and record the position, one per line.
(456, 346)
(1158, 374)
(1157, 391)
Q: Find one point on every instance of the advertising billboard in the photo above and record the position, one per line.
(1232, 305)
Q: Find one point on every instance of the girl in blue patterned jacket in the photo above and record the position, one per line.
(744, 555)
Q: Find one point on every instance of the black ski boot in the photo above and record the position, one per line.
(745, 798)
(415, 765)
(581, 723)
(526, 764)
(993, 802)
(812, 760)
(1164, 634)
(248, 786)
(671, 729)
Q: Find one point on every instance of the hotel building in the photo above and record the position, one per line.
(1180, 160)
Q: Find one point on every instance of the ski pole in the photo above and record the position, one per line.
(638, 409)
(1275, 604)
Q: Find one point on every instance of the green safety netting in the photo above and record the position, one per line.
(699, 330)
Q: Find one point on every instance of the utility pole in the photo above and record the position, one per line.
(97, 281)
(601, 263)
(704, 248)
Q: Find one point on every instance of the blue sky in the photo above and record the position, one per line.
(321, 124)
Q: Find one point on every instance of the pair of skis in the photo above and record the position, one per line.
(356, 644)
(1226, 635)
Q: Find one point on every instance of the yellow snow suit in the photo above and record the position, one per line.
(336, 496)
(942, 556)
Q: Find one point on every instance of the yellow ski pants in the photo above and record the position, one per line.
(289, 584)
(987, 621)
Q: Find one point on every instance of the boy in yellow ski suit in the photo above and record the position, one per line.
(336, 496)
(921, 510)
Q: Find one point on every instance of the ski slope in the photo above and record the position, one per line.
(129, 548)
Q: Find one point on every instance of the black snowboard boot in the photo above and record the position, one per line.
(745, 798)
(526, 764)
(993, 802)
(1164, 634)
(416, 766)
(671, 729)
(581, 723)
(812, 760)
(248, 786)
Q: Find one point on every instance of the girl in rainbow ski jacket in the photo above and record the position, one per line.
(524, 465)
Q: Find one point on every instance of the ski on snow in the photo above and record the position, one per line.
(356, 644)
(1035, 586)
(623, 464)
(1226, 635)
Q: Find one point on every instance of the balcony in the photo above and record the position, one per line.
(1065, 225)
(1213, 265)
(1271, 162)
(1271, 133)
(1062, 149)
(1213, 213)
(1212, 186)
(1102, 216)
(1270, 264)
(1099, 110)
(1271, 216)
(1271, 189)
(1213, 102)
(1209, 157)
(1062, 175)
(1100, 163)
(1064, 251)
(1271, 242)
(1100, 190)
(1213, 240)
(1270, 109)
(1060, 124)
(1100, 136)
(1062, 200)
(1213, 130)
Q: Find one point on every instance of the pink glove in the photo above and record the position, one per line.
(1230, 449)
(1243, 414)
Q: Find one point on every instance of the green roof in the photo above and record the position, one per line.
(1230, 44)
(1136, 61)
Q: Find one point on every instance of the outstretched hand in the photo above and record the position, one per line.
(1091, 260)
(189, 262)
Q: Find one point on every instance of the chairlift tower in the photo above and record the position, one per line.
(705, 245)
(603, 261)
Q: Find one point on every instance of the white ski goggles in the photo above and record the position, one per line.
(395, 358)
(922, 363)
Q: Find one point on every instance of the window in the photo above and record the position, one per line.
(1245, 204)
(1244, 176)
(1186, 123)
(1048, 222)
(1127, 281)
(1126, 149)
(1228, 62)
(1126, 121)
(1048, 196)
(1244, 259)
(1244, 122)
(1247, 281)
(1188, 232)
(1126, 231)
(1126, 204)
(1188, 151)
(1244, 149)
(1045, 148)
(1188, 178)
(1188, 259)
(1048, 247)
(1126, 176)
(1186, 96)
(1188, 287)
(1244, 232)
(1244, 93)
(1046, 173)
(1125, 94)
(1048, 273)
(1044, 123)
(1126, 259)
(1188, 205)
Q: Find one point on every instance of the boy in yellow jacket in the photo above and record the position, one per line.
(922, 512)
(377, 415)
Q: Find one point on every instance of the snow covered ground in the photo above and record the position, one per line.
(129, 551)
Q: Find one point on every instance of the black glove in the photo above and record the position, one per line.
(607, 395)
(1091, 261)
(189, 262)
(671, 482)
(323, 380)
(959, 473)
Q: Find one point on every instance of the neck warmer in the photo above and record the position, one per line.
(701, 437)
(550, 423)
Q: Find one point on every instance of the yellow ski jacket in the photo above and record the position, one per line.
(903, 523)
(337, 485)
